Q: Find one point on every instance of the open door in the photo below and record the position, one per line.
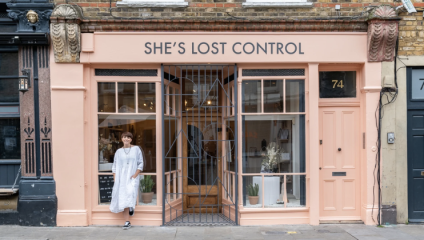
(206, 133)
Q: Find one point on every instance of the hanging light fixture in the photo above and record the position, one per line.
(24, 81)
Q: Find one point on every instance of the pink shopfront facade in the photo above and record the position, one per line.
(237, 128)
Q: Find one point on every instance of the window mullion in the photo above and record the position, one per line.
(284, 95)
(262, 96)
(116, 97)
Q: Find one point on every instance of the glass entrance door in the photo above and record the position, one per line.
(199, 145)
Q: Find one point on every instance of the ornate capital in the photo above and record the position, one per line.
(20, 13)
(66, 33)
(383, 29)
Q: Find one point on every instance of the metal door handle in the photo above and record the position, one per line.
(339, 149)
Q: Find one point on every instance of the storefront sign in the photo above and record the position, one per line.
(216, 48)
(222, 47)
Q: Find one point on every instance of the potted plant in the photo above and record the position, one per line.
(146, 185)
(270, 158)
(253, 193)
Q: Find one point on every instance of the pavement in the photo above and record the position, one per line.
(321, 232)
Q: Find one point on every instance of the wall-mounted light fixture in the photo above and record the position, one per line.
(24, 81)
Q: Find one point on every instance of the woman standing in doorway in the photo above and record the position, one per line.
(128, 163)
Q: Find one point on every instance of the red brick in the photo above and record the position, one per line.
(230, 5)
(356, 5)
(219, 5)
(83, 4)
(103, 4)
(209, 5)
(93, 4)
(419, 4)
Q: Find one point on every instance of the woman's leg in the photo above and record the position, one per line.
(127, 214)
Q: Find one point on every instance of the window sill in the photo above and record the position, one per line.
(278, 4)
(173, 4)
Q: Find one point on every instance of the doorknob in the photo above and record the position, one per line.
(319, 168)
(339, 149)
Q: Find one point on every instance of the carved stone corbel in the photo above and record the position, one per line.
(65, 33)
(383, 29)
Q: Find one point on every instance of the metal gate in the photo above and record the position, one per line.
(199, 145)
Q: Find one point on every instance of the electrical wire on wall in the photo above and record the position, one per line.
(387, 96)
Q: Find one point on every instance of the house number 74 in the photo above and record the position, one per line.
(338, 83)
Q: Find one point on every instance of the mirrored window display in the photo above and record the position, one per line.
(341, 84)
(143, 128)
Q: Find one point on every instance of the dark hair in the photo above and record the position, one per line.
(127, 134)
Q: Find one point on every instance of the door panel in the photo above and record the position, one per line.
(339, 163)
(416, 165)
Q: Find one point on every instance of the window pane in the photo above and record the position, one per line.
(337, 84)
(143, 129)
(147, 194)
(106, 97)
(274, 144)
(9, 64)
(146, 97)
(251, 96)
(295, 96)
(9, 90)
(252, 186)
(126, 97)
(10, 140)
(273, 95)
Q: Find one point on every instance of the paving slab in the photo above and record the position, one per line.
(274, 232)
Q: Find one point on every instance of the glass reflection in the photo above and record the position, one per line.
(295, 96)
(273, 96)
(146, 97)
(106, 97)
(251, 96)
(126, 97)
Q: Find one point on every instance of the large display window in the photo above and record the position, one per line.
(127, 107)
(273, 143)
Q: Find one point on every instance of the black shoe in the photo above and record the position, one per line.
(127, 225)
(131, 211)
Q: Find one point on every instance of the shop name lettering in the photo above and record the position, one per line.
(222, 48)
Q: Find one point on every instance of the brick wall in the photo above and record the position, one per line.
(411, 34)
(225, 9)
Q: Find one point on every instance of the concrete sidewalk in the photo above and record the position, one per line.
(330, 231)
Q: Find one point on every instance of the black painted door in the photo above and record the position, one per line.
(415, 82)
(416, 165)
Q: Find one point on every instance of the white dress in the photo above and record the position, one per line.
(124, 193)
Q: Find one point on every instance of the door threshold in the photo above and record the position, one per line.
(341, 222)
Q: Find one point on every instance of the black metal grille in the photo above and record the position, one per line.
(196, 191)
(127, 72)
(273, 72)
